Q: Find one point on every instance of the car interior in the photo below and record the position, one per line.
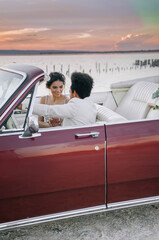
(137, 103)
(127, 101)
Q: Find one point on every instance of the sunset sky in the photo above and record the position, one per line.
(95, 25)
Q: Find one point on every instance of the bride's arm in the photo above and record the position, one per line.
(41, 122)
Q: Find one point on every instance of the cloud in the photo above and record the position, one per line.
(136, 37)
(133, 41)
(84, 35)
(23, 31)
(6, 39)
(25, 35)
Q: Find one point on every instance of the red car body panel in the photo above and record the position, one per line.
(55, 172)
(132, 161)
(58, 172)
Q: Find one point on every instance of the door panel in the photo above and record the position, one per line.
(52, 173)
(132, 161)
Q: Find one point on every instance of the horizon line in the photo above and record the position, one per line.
(15, 51)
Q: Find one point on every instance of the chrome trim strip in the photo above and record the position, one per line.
(105, 155)
(79, 212)
(41, 130)
(133, 121)
(33, 99)
(69, 127)
(23, 74)
(10, 106)
(52, 217)
(93, 125)
(14, 71)
(131, 203)
(30, 113)
(10, 132)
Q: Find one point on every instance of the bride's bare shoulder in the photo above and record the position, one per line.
(44, 99)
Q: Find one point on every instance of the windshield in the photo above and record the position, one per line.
(9, 82)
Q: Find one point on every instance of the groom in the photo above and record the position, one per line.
(80, 110)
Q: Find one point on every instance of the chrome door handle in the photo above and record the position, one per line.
(93, 134)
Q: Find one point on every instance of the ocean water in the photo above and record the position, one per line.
(104, 68)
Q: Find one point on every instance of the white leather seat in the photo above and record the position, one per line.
(136, 104)
(107, 115)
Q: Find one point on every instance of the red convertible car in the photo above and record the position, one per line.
(60, 172)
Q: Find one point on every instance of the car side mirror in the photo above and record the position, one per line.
(31, 129)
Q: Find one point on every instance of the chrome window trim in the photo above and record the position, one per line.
(60, 128)
(14, 71)
(10, 106)
(134, 121)
(68, 127)
(33, 99)
(8, 132)
(23, 74)
(41, 130)
(93, 125)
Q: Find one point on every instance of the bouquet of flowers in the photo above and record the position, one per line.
(155, 95)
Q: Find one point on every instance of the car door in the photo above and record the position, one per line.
(132, 161)
(61, 170)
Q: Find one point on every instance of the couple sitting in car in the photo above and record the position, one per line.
(79, 110)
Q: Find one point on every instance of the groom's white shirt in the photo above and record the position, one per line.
(76, 112)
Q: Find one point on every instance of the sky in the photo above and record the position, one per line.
(82, 25)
